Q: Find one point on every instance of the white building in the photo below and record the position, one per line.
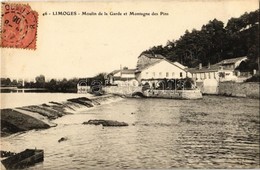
(157, 67)
(123, 77)
(208, 77)
(222, 71)
(201, 73)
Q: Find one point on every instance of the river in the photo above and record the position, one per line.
(215, 132)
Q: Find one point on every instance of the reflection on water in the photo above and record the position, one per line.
(216, 132)
(22, 90)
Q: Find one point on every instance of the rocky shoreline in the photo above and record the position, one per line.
(21, 119)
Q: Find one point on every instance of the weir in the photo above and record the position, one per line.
(30, 117)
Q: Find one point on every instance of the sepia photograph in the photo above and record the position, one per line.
(111, 84)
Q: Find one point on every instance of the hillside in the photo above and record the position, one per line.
(215, 42)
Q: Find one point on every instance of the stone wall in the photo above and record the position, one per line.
(121, 90)
(172, 94)
(129, 90)
(239, 89)
(250, 90)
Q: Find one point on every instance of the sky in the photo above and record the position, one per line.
(82, 46)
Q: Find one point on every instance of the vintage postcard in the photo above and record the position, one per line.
(161, 84)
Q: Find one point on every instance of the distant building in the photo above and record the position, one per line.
(222, 71)
(231, 64)
(123, 77)
(229, 69)
(201, 73)
(147, 59)
(150, 68)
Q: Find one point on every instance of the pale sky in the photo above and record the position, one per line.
(82, 46)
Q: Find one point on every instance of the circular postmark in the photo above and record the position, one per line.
(19, 26)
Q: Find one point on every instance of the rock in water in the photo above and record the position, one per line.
(62, 139)
(105, 122)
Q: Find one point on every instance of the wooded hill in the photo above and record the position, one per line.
(215, 42)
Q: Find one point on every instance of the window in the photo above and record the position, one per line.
(202, 75)
(173, 74)
(180, 74)
(160, 74)
(147, 73)
(167, 74)
(154, 74)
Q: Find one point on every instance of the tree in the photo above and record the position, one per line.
(5, 82)
(14, 83)
(40, 81)
(214, 42)
(101, 77)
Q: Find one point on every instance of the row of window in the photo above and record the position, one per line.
(167, 74)
(205, 75)
(229, 66)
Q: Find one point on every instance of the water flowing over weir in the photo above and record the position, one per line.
(39, 116)
(215, 132)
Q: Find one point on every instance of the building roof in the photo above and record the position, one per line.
(114, 72)
(123, 71)
(232, 60)
(158, 61)
(156, 56)
(124, 78)
(128, 71)
(216, 67)
(205, 69)
(180, 65)
(212, 68)
(149, 65)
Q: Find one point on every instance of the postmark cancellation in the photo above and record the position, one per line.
(18, 26)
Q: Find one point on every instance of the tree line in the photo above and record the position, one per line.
(6, 82)
(53, 85)
(215, 42)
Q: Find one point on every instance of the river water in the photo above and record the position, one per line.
(215, 132)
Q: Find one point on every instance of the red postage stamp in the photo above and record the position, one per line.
(19, 26)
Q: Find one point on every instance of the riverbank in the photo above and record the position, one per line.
(40, 116)
(249, 90)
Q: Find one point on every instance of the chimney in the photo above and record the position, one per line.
(209, 65)
(200, 66)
